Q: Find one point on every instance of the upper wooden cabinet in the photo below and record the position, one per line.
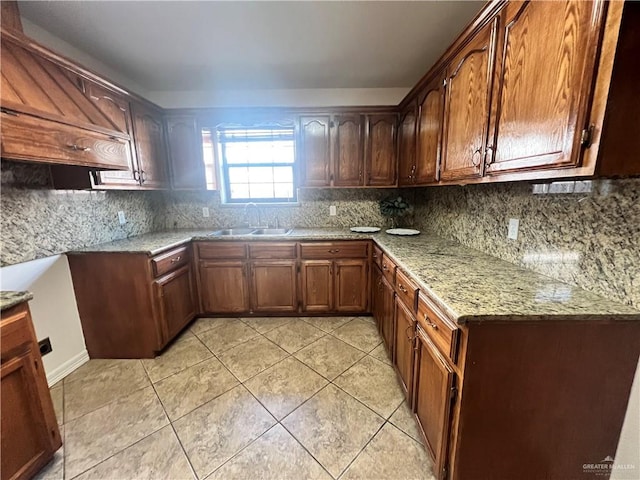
(349, 149)
(467, 107)
(185, 153)
(429, 132)
(314, 151)
(544, 76)
(348, 158)
(380, 150)
(47, 118)
(150, 146)
(407, 145)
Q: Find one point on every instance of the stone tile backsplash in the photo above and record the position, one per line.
(589, 239)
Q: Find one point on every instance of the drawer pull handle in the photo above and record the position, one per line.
(78, 148)
(406, 332)
(384, 267)
(334, 250)
(402, 289)
(177, 259)
(429, 322)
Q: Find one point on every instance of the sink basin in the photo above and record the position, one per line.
(233, 231)
(272, 231)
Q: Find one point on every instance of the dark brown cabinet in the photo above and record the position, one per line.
(467, 107)
(176, 299)
(407, 146)
(544, 76)
(388, 322)
(380, 150)
(433, 387)
(29, 430)
(317, 285)
(314, 151)
(130, 305)
(429, 132)
(348, 155)
(150, 147)
(223, 286)
(351, 292)
(274, 286)
(404, 338)
(185, 153)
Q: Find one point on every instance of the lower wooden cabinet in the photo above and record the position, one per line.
(224, 287)
(317, 285)
(351, 285)
(387, 322)
(404, 338)
(433, 389)
(132, 305)
(274, 286)
(29, 432)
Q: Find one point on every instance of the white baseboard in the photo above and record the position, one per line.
(67, 367)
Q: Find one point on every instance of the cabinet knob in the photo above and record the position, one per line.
(476, 156)
(78, 148)
(176, 259)
(334, 250)
(401, 288)
(429, 322)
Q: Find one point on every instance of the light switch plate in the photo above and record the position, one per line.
(332, 210)
(514, 225)
(205, 212)
(121, 218)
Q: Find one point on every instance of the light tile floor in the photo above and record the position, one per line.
(255, 398)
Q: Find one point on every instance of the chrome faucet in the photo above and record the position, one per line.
(246, 212)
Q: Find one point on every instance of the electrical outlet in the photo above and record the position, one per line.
(205, 212)
(45, 346)
(121, 218)
(514, 224)
(332, 211)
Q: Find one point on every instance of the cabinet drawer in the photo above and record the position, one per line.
(15, 331)
(334, 250)
(407, 290)
(442, 332)
(388, 269)
(377, 256)
(222, 250)
(30, 138)
(170, 260)
(272, 250)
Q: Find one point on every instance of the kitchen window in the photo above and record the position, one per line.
(257, 163)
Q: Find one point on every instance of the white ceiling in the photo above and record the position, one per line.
(207, 45)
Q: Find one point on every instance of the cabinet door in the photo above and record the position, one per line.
(543, 83)
(380, 152)
(348, 162)
(403, 345)
(377, 299)
(314, 152)
(273, 286)
(116, 109)
(407, 146)
(351, 285)
(388, 316)
(317, 285)
(185, 153)
(429, 135)
(432, 399)
(467, 107)
(224, 287)
(150, 147)
(175, 294)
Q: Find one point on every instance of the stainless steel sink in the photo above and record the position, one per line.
(272, 231)
(233, 231)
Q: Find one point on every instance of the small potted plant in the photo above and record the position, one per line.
(395, 208)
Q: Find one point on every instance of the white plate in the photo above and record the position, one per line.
(402, 231)
(365, 229)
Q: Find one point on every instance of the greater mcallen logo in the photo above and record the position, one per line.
(605, 467)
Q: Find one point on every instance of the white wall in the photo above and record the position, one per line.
(53, 309)
(627, 464)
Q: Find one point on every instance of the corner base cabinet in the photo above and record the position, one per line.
(29, 432)
(132, 305)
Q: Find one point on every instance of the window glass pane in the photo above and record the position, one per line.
(238, 175)
(283, 174)
(239, 190)
(260, 174)
(261, 190)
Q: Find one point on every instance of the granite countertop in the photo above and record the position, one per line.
(468, 285)
(10, 299)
